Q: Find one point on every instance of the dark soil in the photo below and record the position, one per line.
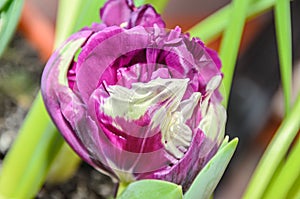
(20, 72)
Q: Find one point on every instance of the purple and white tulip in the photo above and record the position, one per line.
(134, 100)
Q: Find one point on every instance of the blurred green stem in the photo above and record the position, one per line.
(290, 171)
(274, 153)
(159, 5)
(121, 187)
(230, 44)
(284, 43)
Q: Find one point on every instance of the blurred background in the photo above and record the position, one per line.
(255, 107)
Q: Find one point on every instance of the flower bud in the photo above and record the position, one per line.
(134, 100)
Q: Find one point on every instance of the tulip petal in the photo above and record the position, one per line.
(116, 12)
(54, 80)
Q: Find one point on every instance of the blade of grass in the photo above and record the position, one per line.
(230, 44)
(10, 12)
(274, 154)
(212, 26)
(280, 186)
(159, 5)
(284, 43)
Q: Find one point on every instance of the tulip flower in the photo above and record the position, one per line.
(134, 100)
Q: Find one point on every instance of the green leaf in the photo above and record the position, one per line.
(274, 154)
(3, 4)
(207, 180)
(230, 44)
(24, 167)
(287, 176)
(152, 189)
(294, 193)
(159, 5)
(10, 12)
(284, 42)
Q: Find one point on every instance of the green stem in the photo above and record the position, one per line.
(121, 187)
(159, 5)
(287, 176)
(274, 154)
(230, 44)
(284, 42)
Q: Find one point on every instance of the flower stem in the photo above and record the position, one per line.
(121, 187)
(274, 154)
(230, 44)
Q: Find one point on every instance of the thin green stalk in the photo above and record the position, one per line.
(230, 44)
(274, 154)
(287, 177)
(212, 26)
(121, 187)
(284, 42)
(25, 166)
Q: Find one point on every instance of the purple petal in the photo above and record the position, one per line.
(98, 68)
(52, 88)
(116, 12)
(145, 16)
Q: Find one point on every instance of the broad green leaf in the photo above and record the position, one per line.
(208, 178)
(151, 189)
(230, 44)
(274, 153)
(9, 16)
(159, 5)
(284, 43)
(287, 176)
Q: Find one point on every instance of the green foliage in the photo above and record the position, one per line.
(284, 43)
(151, 189)
(10, 11)
(274, 154)
(209, 177)
(29, 160)
(230, 44)
(24, 168)
(284, 181)
(159, 5)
